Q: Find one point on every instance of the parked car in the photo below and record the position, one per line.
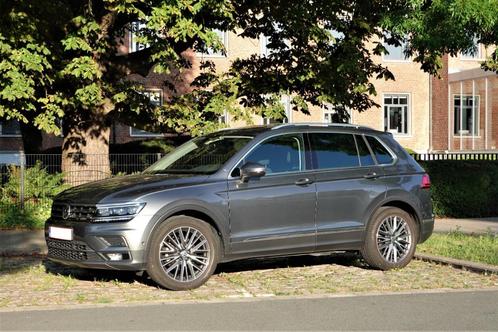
(253, 192)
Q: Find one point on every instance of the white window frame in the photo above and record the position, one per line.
(408, 118)
(144, 133)
(403, 47)
(263, 44)
(9, 135)
(476, 57)
(287, 103)
(476, 110)
(329, 109)
(134, 46)
(219, 54)
(223, 118)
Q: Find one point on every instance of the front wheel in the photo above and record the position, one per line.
(390, 239)
(183, 254)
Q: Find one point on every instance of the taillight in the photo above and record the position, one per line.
(426, 182)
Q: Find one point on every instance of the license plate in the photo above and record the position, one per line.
(60, 233)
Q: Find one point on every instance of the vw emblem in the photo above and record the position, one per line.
(66, 211)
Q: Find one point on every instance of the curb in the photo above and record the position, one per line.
(461, 264)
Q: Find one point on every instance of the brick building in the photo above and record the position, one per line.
(457, 112)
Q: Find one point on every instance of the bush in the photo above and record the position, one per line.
(464, 189)
(39, 189)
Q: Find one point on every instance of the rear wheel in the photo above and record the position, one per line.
(390, 240)
(183, 254)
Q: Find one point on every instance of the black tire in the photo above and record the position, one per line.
(373, 245)
(156, 260)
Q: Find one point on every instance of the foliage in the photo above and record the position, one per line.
(39, 189)
(38, 184)
(32, 216)
(481, 248)
(58, 58)
(464, 188)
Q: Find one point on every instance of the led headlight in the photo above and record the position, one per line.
(117, 212)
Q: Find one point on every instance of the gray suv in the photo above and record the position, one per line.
(250, 192)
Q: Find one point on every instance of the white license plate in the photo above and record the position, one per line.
(60, 233)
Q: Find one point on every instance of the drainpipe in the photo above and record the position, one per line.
(430, 114)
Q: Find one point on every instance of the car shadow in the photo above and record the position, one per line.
(343, 259)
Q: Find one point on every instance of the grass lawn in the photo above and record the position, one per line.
(482, 248)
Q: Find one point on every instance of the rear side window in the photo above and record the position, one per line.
(383, 156)
(363, 151)
(334, 150)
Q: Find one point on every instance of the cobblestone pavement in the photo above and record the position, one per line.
(33, 282)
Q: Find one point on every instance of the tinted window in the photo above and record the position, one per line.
(333, 150)
(365, 155)
(381, 153)
(279, 154)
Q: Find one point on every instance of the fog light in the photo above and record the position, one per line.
(115, 257)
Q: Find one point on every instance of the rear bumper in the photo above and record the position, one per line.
(426, 229)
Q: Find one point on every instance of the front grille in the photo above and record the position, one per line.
(66, 245)
(67, 254)
(71, 250)
(74, 212)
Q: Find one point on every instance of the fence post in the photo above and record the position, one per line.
(21, 179)
(158, 156)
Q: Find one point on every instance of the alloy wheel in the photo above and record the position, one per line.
(184, 254)
(394, 239)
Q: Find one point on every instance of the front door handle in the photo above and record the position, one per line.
(372, 175)
(303, 182)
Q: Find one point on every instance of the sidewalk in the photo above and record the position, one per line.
(22, 242)
(468, 226)
(19, 242)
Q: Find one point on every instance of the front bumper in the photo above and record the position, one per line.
(92, 243)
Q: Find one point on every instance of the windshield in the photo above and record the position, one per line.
(202, 155)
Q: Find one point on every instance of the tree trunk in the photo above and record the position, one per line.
(85, 151)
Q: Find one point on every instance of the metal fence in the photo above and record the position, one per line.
(32, 180)
(456, 156)
(28, 182)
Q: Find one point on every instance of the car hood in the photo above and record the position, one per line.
(126, 188)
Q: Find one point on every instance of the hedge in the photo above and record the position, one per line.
(464, 189)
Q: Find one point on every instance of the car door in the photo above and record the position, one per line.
(274, 213)
(347, 182)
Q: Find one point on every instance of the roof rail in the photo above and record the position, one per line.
(319, 124)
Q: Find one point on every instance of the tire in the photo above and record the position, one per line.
(383, 251)
(179, 264)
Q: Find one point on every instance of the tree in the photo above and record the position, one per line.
(59, 59)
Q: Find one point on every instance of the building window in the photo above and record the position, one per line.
(264, 41)
(331, 115)
(156, 99)
(223, 118)
(466, 115)
(396, 113)
(135, 46)
(396, 53)
(223, 36)
(10, 128)
(474, 53)
(287, 103)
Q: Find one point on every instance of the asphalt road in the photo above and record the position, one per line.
(430, 311)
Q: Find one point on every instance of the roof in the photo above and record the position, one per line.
(255, 130)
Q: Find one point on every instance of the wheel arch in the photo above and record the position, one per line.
(405, 206)
(194, 211)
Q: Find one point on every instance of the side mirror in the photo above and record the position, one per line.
(251, 170)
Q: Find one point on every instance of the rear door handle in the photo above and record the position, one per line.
(372, 175)
(303, 182)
